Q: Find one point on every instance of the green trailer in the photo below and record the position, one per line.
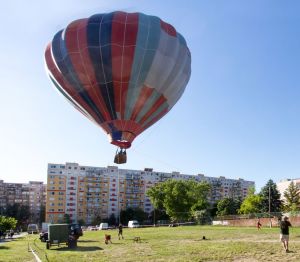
(60, 234)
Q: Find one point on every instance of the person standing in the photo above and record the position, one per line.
(284, 233)
(258, 225)
(120, 234)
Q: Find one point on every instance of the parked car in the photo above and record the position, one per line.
(103, 226)
(133, 223)
(75, 230)
(44, 236)
(92, 228)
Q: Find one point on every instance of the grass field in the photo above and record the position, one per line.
(183, 243)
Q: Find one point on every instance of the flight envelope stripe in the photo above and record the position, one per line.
(99, 42)
(146, 44)
(64, 64)
(76, 40)
(72, 44)
(51, 65)
(123, 41)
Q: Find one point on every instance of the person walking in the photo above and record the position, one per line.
(120, 234)
(284, 233)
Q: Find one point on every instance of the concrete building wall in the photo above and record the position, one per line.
(32, 194)
(284, 184)
(86, 193)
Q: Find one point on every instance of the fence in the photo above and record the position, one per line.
(266, 219)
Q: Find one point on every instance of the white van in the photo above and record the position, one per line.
(103, 226)
(32, 229)
(133, 223)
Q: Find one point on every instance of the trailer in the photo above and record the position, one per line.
(60, 234)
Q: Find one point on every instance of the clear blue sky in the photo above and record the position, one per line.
(239, 115)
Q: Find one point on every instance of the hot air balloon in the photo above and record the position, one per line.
(123, 71)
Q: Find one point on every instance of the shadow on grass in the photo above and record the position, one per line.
(80, 249)
(87, 241)
(4, 247)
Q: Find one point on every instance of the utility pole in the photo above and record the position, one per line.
(270, 205)
(154, 216)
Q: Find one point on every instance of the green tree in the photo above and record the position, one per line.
(132, 214)
(202, 217)
(292, 198)
(67, 219)
(112, 220)
(180, 198)
(19, 212)
(42, 217)
(251, 204)
(270, 195)
(81, 222)
(228, 206)
(7, 223)
(97, 220)
(158, 214)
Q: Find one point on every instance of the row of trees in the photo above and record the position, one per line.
(269, 200)
(22, 214)
(188, 200)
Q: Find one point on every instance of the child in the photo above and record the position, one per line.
(258, 224)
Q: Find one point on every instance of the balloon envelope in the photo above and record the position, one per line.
(123, 71)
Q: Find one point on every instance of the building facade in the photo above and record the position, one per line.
(284, 184)
(32, 194)
(84, 192)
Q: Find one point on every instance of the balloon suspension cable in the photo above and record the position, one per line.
(121, 156)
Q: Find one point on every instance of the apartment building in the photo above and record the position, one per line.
(32, 194)
(85, 192)
(282, 185)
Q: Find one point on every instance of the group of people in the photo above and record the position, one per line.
(9, 233)
(284, 225)
(107, 237)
